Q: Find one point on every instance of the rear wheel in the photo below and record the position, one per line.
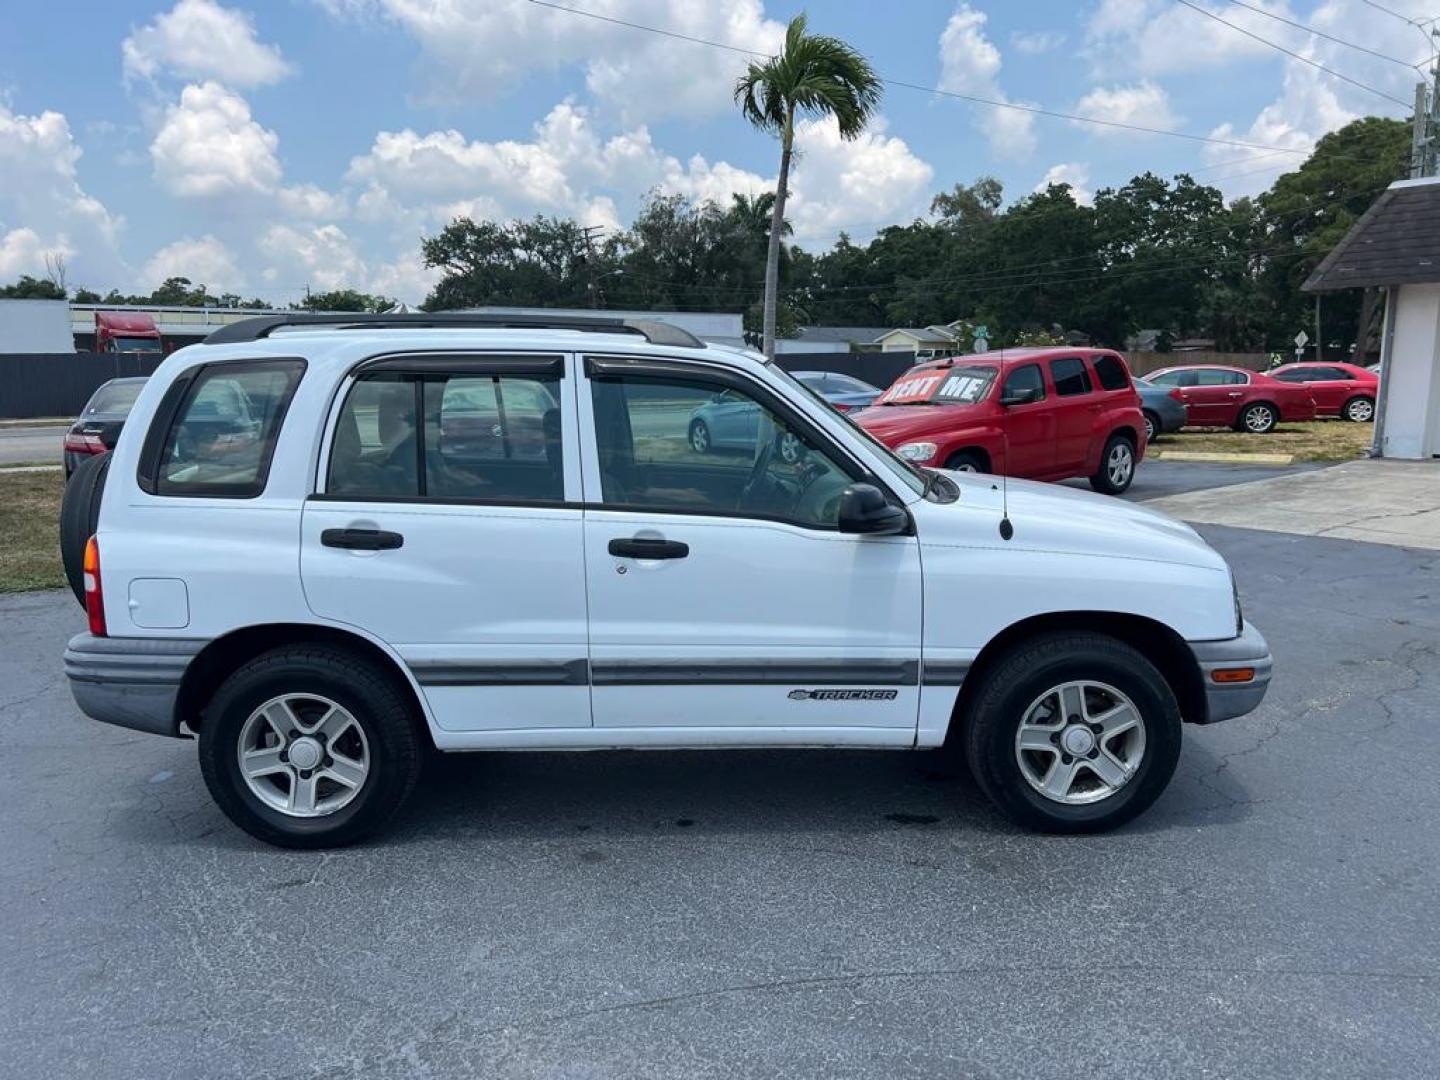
(700, 437)
(310, 746)
(967, 461)
(1152, 426)
(1359, 409)
(79, 515)
(1073, 733)
(1258, 419)
(1117, 466)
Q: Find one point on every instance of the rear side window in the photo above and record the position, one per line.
(484, 437)
(1069, 376)
(1111, 372)
(223, 433)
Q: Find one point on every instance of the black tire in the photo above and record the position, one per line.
(1258, 418)
(1112, 479)
(1030, 669)
(1359, 409)
(79, 514)
(1152, 426)
(371, 695)
(967, 461)
(700, 430)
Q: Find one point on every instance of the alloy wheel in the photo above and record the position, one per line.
(303, 755)
(1259, 419)
(1361, 410)
(700, 438)
(1080, 742)
(1120, 464)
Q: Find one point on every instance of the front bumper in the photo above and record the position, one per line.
(132, 682)
(1227, 700)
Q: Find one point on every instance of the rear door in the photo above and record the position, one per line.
(722, 596)
(1074, 407)
(457, 539)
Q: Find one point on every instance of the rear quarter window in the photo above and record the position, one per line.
(218, 429)
(1111, 372)
(1069, 376)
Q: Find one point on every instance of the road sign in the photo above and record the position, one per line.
(982, 344)
(1302, 339)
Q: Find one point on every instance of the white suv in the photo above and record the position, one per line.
(325, 544)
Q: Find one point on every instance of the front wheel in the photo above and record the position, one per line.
(700, 437)
(1152, 426)
(967, 461)
(1361, 410)
(1117, 466)
(1258, 419)
(309, 746)
(1073, 733)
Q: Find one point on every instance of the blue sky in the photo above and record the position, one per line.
(262, 147)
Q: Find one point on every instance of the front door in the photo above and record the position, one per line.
(722, 596)
(457, 540)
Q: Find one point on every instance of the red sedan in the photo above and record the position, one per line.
(1344, 390)
(1233, 397)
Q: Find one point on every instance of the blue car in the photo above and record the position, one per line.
(844, 392)
(1164, 410)
(731, 422)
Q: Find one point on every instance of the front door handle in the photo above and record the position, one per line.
(644, 547)
(362, 539)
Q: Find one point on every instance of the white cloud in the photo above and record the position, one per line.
(43, 208)
(209, 145)
(205, 261)
(970, 64)
(1159, 37)
(484, 49)
(1036, 42)
(199, 39)
(420, 181)
(1073, 173)
(325, 257)
(1145, 104)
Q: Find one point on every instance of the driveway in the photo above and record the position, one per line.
(729, 914)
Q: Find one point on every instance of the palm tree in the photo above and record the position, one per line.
(814, 76)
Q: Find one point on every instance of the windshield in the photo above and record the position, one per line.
(942, 386)
(916, 479)
(115, 398)
(135, 344)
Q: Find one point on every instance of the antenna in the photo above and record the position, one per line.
(1007, 530)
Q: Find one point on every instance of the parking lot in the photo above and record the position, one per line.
(758, 913)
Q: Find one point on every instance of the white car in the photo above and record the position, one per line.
(475, 533)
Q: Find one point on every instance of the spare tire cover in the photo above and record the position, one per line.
(79, 514)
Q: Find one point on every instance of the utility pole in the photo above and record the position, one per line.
(590, 232)
(1425, 142)
(1319, 337)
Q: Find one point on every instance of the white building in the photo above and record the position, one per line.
(1396, 246)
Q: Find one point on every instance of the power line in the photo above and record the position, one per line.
(972, 98)
(1291, 53)
(1322, 34)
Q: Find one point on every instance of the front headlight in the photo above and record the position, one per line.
(917, 451)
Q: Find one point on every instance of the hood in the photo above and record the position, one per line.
(1050, 517)
(887, 422)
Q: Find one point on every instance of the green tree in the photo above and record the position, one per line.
(345, 300)
(543, 262)
(814, 75)
(32, 288)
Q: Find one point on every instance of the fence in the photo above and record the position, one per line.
(59, 384)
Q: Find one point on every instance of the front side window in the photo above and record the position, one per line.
(685, 445)
(224, 432)
(1069, 376)
(1111, 372)
(1027, 377)
(484, 437)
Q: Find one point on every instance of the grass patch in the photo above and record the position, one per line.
(30, 531)
(1315, 440)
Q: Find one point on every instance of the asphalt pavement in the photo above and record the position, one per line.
(748, 913)
(30, 445)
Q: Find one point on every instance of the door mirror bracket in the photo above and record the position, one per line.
(865, 509)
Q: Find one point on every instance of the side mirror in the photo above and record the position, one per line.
(864, 509)
(1021, 397)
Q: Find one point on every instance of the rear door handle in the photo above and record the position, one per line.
(1237, 393)
(644, 547)
(362, 539)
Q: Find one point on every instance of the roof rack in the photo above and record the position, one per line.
(652, 330)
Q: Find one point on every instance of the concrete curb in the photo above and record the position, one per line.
(1218, 458)
(6, 470)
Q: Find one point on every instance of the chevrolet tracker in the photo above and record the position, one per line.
(325, 545)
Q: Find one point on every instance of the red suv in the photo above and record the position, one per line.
(1233, 397)
(1338, 389)
(1045, 414)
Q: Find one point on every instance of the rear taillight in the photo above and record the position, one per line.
(94, 602)
(78, 443)
(1178, 396)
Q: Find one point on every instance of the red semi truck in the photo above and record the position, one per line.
(126, 332)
